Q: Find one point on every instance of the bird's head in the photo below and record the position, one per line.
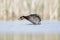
(21, 18)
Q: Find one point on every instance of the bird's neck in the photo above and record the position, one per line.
(26, 17)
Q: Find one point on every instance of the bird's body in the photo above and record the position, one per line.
(34, 18)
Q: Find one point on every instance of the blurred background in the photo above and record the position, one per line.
(13, 9)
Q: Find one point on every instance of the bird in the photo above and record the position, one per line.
(33, 18)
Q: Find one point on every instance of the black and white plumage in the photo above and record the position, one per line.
(34, 18)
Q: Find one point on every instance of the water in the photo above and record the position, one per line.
(27, 27)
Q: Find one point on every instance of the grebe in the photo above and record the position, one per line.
(34, 18)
